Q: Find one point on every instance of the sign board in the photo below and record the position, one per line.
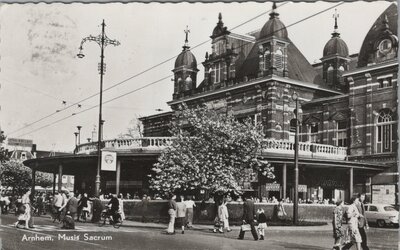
(302, 189)
(384, 194)
(273, 187)
(108, 161)
(16, 142)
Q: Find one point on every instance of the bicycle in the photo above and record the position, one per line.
(84, 216)
(106, 216)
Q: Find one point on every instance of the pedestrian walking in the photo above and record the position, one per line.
(121, 207)
(262, 223)
(217, 220)
(249, 215)
(172, 214)
(71, 205)
(337, 223)
(353, 215)
(97, 209)
(189, 210)
(362, 221)
(181, 213)
(145, 203)
(57, 204)
(82, 205)
(223, 216)
(280, 210)
(26, 201)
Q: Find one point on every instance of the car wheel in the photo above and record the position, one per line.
(380, 223)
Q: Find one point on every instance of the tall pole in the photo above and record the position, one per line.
(103, 41)
(296, 168)
(97, 183)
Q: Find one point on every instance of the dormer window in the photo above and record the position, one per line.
(385, 46)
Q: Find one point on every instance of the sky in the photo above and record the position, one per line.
(39, 68)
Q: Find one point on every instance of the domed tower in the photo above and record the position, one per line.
(185, 71)
(335, 59)
(273, 44)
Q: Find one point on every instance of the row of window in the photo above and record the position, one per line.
(385, 132)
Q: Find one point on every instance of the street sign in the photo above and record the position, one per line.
(16, 142)
(108, 161)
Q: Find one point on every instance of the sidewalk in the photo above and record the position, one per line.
(199, 227)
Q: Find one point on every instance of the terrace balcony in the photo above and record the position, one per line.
(269, 147)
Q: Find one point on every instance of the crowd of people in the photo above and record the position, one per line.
(66, 208)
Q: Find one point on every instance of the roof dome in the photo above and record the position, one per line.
(336, 46)
(186, 58)
(274, 26)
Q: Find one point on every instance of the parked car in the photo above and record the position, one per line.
(382, 214)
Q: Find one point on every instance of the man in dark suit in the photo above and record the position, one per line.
(362, 221)
(249, 216)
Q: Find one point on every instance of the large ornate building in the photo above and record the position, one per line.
(348, 140)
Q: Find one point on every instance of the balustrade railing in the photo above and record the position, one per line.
(269, 145)
(313, 150)
(155, 143)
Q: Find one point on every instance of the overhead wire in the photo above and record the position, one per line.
(161, 79)
(129, 78)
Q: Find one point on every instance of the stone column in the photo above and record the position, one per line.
(54, 183)
(33, 181)
(351, 183)
(368, 188)
(118, 176)
(284, 183)
(60, 173)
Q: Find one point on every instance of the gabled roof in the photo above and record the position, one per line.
(298, 66)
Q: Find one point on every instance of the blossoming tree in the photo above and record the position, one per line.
(211, 152)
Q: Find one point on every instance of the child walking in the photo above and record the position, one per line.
(262, 223)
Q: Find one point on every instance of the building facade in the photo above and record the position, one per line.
(348, 132)
(349, 104)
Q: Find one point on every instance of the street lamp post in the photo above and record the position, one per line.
(102, 40)
(76, 138)
(79, 134)
(297, 113)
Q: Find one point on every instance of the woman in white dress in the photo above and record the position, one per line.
(26, 202)
(121, 207)
(354, 233)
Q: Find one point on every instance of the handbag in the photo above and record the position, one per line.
(245, 227)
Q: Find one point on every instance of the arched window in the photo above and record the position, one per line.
(329, 78)
(267, 59)
(279, 59)
(218, 71)
(385, 132)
